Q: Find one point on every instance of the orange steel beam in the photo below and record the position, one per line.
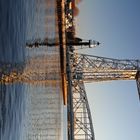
(62, 42)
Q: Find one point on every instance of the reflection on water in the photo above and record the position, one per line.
(12, 103)
(30, 88)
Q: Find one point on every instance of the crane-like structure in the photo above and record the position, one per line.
(76, 69)
(80, 68)
(87, 68)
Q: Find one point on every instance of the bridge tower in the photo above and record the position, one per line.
(82, 68)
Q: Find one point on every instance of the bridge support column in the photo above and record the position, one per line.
(138, 82)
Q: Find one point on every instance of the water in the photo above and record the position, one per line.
(30, 109)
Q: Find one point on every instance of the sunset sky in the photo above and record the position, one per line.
(114, 105)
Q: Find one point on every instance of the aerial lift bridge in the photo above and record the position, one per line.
(77, 69)
(86, 68)
(81, 68)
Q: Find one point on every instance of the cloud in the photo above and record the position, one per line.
(78, 1)
(76, 11)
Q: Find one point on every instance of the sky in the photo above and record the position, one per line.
(114, 105)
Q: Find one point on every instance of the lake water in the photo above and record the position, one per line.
(29, 109)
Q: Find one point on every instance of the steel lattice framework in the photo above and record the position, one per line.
(86, 68)
(75, 70)
(79, 117)
(82, 68)
(95, 68)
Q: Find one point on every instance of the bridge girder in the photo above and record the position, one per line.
(94, 68)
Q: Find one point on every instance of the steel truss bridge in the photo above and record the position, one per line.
(82, 68)
(76, 69)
